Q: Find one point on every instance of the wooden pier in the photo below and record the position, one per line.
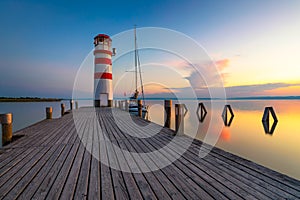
(51, 161)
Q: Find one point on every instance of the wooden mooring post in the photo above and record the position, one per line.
(6, 121)
(49, 113)
(71, 104)
(168, 111)
(62, 106)
(126, 105)
(140, 108)
(76, 104)
(180, 112)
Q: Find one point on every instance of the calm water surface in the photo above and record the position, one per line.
(27, 113)
(245, 136)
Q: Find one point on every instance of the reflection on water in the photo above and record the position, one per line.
(247, 136)
(267, 128)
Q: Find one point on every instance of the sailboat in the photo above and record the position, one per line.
(133, 100)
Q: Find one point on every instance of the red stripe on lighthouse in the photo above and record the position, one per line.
(99, 75)
(103, 51)
(103, 61)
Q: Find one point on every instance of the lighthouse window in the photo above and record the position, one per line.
(101, 39)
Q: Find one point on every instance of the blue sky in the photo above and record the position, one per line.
(44, 42)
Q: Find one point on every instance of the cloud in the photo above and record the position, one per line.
(256, 89)
(209, 74)
(236, 91)
(222, 64)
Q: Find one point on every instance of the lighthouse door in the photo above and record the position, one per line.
(103, 99)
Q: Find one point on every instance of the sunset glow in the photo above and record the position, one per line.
(254, 44)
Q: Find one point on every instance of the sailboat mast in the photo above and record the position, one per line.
(135, 60)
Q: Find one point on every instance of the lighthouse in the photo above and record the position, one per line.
(103, 89)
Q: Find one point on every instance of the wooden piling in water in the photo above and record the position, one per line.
(6, 121)
(62, 106)
(168, 109)
(110, 103)
(126, 105)
(179, 119)
(71, 104)
(49, 113)
(140, 108)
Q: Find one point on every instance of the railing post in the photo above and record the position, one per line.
(71, 104)
(62, 106)
(179, 119)
(140, 106)
(49, 113)
(122, 105)
(6, 121)
(76, 104)
(168, 109)
(126, 105)
(110, 103)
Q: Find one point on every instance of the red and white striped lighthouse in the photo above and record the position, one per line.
(103, 89)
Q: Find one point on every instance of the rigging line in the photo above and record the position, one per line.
(135, 58)
(139, 68)
(142, 86)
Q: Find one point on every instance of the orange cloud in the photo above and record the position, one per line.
(293, 90)
(154, 88)
(222, 64)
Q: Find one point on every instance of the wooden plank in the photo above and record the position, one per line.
(94, 190)
(120, 190)
(71, 181)
(69, 188)
(131, 179)
(37, 181)
(10, 179)
(209, 184)
(27, 179)
(24, 155)
(256, 184)
(107, 191)
(155, 181)
(204, 169)
(81, 191)
(53, 186)
(36, 139)
(59, 167)
(188, 188)
(27, 172)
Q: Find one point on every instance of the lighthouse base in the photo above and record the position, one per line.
(97, 103)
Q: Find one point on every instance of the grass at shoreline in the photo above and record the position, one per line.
(28, 99)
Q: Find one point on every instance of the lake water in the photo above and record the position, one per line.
(245, 136)
(27, 113)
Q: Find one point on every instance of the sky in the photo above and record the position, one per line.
(255, 44)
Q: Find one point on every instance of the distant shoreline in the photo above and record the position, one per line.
(228, 98)
(28, 99)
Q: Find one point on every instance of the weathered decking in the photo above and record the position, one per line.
(51, 162)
